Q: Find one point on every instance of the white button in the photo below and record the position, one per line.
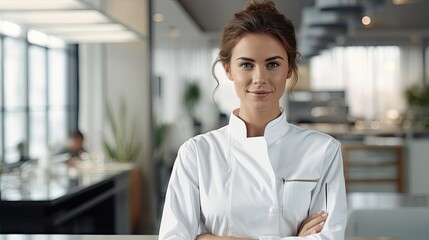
(272, 210)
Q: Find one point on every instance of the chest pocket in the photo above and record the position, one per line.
(296, 200)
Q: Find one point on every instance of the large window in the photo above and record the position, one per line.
(374, 78)
(37, 95)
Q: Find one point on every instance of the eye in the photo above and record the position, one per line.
(272, 65)
(246, 65)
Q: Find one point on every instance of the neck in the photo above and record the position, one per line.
(257, 121)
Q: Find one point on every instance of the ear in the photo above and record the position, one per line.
(227, 68)
(289, 74)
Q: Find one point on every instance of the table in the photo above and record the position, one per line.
(88, 199)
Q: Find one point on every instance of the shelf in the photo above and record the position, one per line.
(363, 159)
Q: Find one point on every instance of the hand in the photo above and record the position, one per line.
(208, 236)
(313, 224)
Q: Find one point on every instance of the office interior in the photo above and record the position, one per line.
(135, 77)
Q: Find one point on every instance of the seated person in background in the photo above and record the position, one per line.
(74, 147)
(22, 149)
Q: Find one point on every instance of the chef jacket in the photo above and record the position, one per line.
(228, 184)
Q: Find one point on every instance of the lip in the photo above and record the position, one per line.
(259, 93)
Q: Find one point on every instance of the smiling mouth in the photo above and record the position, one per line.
(259, 93)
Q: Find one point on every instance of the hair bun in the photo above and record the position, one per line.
(265, 6)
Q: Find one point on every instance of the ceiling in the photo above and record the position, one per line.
(212, 15)
(392, 21)
(73, 21)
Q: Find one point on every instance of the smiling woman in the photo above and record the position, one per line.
(259, 68)
(259, 177)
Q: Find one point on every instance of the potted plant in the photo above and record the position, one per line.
(124, 146)
(417, 97)
(191, 97)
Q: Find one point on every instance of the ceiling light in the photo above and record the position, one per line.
(366, 20)
(158, 17)
(12, 5)
(74, 21)
(399, 2)
(54, 42)
(11, 29)
(70, 28)
(111, 37)
(56, 16)
(37, 37)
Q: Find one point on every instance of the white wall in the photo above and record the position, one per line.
(111, 72)
(178, 59)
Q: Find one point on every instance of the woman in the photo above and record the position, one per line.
(259, 177)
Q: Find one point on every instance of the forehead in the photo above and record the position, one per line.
(258, 44)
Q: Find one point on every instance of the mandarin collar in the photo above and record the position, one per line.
(273, 131)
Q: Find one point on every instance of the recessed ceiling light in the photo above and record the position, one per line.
(366, 20)
(158, 17)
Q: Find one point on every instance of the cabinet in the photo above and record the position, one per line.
(374, 168)
(418, 165)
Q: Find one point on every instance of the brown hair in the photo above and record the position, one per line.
(261, 18)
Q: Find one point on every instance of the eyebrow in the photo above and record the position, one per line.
(266, 60)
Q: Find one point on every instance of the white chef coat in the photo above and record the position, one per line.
(263, 187)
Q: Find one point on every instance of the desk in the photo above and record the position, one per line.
(84, 200)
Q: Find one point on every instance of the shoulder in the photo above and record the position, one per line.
(198, 148)
(312, 136)
(204, 141)
(209, 138)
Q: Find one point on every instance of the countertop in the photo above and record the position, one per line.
(30, 183)
(387, 200)
(84, 198)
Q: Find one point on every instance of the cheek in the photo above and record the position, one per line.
(240, 77)
(239, 86)
(280, 84)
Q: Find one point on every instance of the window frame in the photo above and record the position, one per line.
(72, 90)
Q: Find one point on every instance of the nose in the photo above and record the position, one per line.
(259, 76)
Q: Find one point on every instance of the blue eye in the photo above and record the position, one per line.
(272, 65)
(246, 65)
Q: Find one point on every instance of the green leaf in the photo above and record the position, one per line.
(108, 150)
(125, 147)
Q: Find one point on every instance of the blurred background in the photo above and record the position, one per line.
(133, 77)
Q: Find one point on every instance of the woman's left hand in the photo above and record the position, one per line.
(313, 224)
